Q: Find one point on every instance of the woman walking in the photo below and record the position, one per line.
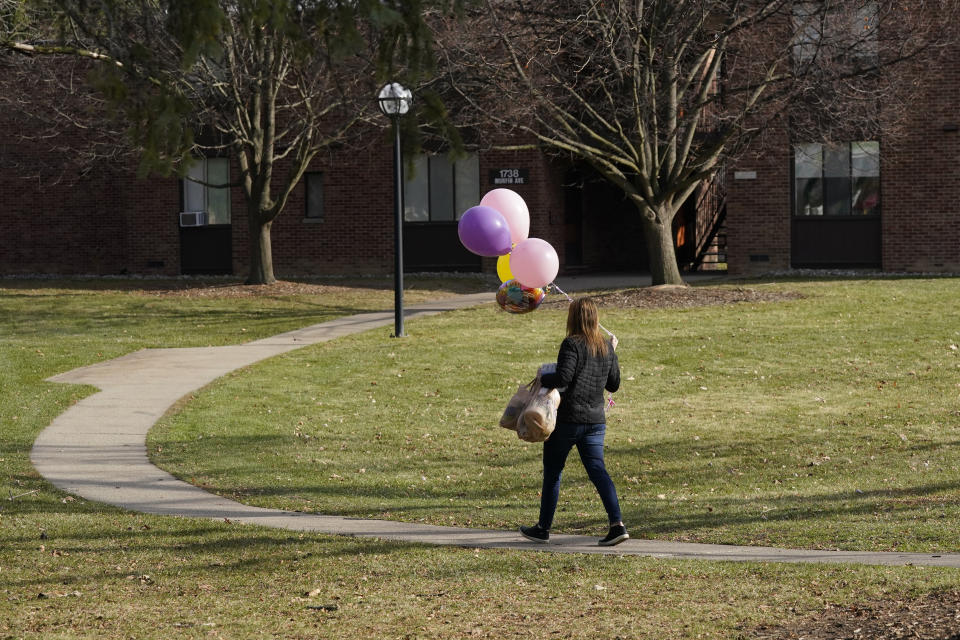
(586, 365)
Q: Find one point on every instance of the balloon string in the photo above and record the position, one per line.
(555, 286)
(569, 299)
(610, 402)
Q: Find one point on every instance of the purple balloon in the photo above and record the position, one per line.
(484, 231)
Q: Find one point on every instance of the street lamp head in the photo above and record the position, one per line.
(394, 99)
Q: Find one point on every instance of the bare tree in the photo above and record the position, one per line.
(656, 95)
(273, 83)
(57, 128)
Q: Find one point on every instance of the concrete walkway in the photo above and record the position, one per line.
(96, 450)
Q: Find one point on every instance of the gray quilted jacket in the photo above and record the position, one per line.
(585, 377)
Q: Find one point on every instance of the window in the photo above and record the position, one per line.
(439, 190)
(837, 180)
(198, 196)
(313, 182)
(843, 32)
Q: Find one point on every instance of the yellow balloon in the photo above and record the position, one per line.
(503, 268)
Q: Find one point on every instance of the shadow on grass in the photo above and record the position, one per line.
(458, 497)
(717, 510)
(730, 511)
(209, 550)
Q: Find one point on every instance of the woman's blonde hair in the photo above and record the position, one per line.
(583, 320)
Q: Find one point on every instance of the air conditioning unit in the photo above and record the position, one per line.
(193, 218)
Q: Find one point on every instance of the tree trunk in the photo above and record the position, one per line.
(663, 257)
(261, 253)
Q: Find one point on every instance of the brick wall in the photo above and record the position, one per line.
(149, 209)
(921, 177)
(357, 232)
(758, 210)
(102, 222)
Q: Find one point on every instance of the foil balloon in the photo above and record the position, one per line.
(516, 298)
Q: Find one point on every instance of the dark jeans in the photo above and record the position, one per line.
(589, 441)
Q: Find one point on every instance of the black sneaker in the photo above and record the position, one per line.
(535, 533)
(618, 533)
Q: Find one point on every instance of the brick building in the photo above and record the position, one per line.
(861, 203)
(889, 203)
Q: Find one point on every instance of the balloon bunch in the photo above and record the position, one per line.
(499, 227)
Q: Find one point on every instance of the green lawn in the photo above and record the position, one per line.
(823, 422)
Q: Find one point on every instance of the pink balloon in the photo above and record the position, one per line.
(512, 207)
(534, 263)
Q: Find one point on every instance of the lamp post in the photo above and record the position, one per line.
(394, 100)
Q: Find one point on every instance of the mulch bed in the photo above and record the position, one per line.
(662, 297)
(934, 616)
(680, 297)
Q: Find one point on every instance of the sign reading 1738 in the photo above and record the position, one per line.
(509, 176)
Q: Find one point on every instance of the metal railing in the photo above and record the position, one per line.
(710, 213)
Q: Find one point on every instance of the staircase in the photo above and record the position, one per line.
(711, 252)
(714, 255)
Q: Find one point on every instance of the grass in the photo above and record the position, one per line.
(71, 568)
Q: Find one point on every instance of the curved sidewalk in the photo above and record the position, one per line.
(97, 450)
